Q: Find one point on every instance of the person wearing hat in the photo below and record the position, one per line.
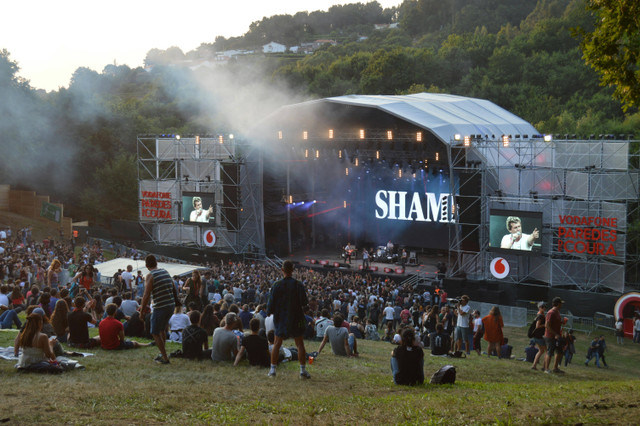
(538, 335)
(552, 334)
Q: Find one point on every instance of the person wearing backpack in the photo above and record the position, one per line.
(536, 332)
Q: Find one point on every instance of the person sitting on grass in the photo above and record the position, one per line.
(112, 332)
(224, 346)
(78, 329)
(178, 322)
(9, 317)
(506, 349)
(407, 360)
(59, 320)
(371, 331)
(255, 346)
(531, 351)
(342, 342)
(195, 340)
(36, 347)
(439, 341)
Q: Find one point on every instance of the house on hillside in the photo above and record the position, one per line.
(274, 47)
(385, 26)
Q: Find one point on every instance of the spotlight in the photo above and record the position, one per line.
(330, 133)
(548, 138)
(177, 137)
(456, 137)
(361, 133)
(231, 136)
(467, 141)
(505, 141)
(419, 137)
(389, 135)
(279, 134)
(305, 135)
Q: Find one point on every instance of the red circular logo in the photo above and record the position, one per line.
(209, 238)
(499, 267)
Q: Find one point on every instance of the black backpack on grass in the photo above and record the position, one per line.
(445, 375)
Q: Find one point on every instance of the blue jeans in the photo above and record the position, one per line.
(8, 318)
(595, 355)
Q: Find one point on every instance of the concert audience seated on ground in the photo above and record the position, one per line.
(255, 347)
(112, 332)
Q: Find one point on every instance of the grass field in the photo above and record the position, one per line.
(129, 388)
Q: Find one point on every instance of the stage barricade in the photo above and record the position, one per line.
(606, 321)
(583, 324)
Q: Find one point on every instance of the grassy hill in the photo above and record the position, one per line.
(128, 387)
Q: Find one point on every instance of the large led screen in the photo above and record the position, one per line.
(198, 208)
(515, 231)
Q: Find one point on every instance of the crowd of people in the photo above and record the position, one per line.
(234, 303)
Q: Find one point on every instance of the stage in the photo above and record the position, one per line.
(426, 264)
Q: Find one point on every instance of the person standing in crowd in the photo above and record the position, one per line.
(159, 286)
(493, 326)
(53, 278)
(636, 329)
(478, 332)
(620, 331)
(365, 259)
(127, 279)
(462, 324)
(287, 300)
(552, 335)
(538, 335)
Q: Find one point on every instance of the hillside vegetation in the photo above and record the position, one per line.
(79, 143)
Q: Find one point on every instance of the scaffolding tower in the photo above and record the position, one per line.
(557, 178)
(226, 168)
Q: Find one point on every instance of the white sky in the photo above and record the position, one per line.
(51, 39)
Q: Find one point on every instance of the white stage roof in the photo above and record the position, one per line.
(108, 269)
(445, 115)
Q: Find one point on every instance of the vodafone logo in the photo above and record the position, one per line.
(209, 238)
(499, 267)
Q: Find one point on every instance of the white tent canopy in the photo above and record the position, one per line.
(108, 269)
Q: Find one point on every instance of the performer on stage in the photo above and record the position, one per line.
(365, 259)
(347, 253)
(516, 240)
(390, 247)
(199, 214)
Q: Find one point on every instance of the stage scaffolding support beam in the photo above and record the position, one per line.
(558, 178)
(225, 168)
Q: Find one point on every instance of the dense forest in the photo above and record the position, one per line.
(79, 143)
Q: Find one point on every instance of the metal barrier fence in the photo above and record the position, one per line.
(576, 323)
(602, 320)
(512, 316)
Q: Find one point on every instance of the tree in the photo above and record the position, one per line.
(613, 47)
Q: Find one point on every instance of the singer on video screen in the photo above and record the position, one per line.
(515, 239)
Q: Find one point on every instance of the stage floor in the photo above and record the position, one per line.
(427, 264)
